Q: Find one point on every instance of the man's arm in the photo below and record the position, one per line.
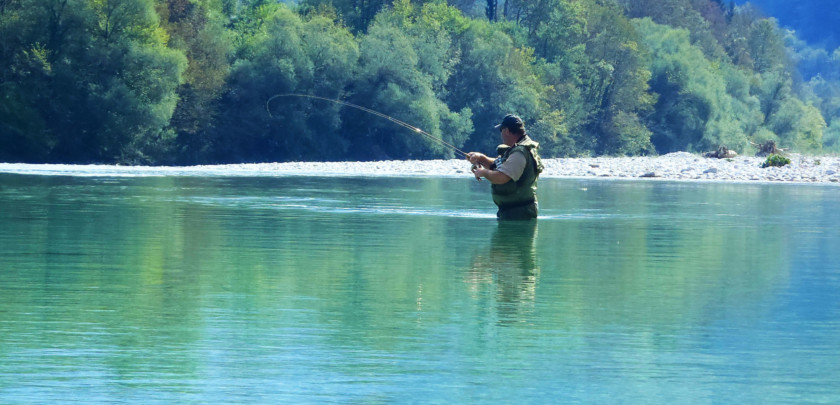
(479, 159)
(494, 176)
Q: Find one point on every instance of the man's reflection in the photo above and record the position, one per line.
(510, 265)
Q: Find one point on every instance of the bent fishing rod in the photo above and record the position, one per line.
(368, 110)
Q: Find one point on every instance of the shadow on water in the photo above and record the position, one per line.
(510, 265)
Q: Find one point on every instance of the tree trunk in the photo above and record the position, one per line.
(490, 9)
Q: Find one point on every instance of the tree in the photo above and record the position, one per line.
(491, 9)
(831, 137)
(198, 31)
(557, 28)
(494, 77)
(798, 125)
(615, 82)
(766, 47)
(695, 110)
(187, 81)
(95, 79)
(356, 14)
(826, 95)
(405, 60)
(285, 54)
(678, 14)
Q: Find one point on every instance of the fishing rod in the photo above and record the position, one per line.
(368, 110)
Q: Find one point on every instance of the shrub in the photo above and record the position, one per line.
(775, 160)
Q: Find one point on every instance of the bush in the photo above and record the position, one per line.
(775, 160)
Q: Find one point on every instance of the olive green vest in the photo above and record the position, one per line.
(524, 190)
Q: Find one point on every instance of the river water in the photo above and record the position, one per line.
(310, 289)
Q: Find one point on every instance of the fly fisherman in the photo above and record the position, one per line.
(514, 173)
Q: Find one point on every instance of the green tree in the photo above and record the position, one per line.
(198, 31)
(823, 89)
(831, 137)
(494, 77)
(739, 38)
(558, 34)
(405, 60)
(766, 46)
(687, 14)
(185, 81)
(696, 109)
(798, 125)
(25, 67)
(492, 10)
(615, 82)
(356, 14)
(281, 53)
(100, 80)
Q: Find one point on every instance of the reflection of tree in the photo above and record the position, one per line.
(510, 264)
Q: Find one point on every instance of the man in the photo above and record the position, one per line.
(514, 173)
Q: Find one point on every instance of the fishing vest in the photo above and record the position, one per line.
(523, 191)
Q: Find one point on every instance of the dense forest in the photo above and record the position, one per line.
(187, 81)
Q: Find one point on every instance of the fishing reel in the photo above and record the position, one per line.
(473, 169)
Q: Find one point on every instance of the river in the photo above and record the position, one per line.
(214, 289)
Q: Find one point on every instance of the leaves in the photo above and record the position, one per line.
(186, 81)
(99, 83)
(775, 161)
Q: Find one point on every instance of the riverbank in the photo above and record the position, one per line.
(674, 166)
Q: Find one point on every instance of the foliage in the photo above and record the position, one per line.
(495, 75)
(615, 82)
(775, 161)
(831, 137)
(695, 111)
(357, 15)
(405, 59)
(85, 81)
(198, 31)
(286, 55)
(186, 81)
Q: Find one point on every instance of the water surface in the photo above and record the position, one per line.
(309, 289)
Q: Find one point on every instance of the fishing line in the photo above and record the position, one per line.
(376, 113)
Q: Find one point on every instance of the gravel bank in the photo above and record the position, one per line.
(674, 166)
(690, 167)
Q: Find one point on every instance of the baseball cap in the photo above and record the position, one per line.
(510, 121)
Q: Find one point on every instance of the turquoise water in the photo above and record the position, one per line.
(383, 290)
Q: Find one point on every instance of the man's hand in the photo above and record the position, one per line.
(494, 176)
(479, 172)
(475, 167)
(479, 159)
(476, 158)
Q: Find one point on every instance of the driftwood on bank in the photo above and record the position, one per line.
(722, 152)
(767, 148)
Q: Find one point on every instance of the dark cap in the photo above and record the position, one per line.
(511, 122)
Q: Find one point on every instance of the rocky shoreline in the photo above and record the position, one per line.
(690, 167)
(680, 166)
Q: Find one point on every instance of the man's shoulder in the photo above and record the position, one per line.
(522, 150)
